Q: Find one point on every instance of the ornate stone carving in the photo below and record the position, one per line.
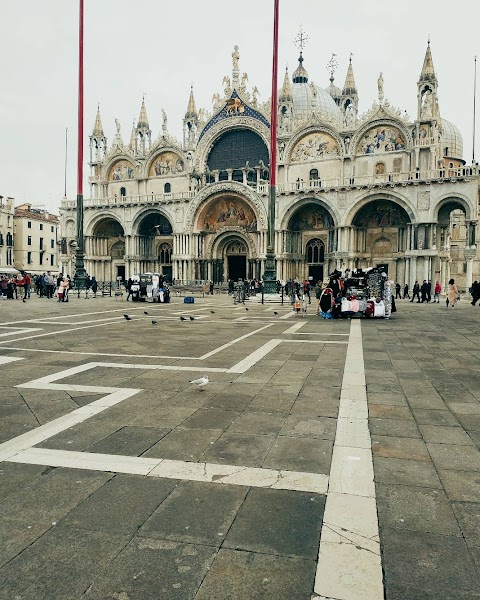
(423, 200)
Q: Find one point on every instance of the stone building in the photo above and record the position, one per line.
(353, 190)
(6, 232)
(36, 234)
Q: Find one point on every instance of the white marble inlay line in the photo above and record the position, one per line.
(349, 562)
(176, 469)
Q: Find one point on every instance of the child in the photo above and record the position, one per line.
(60, 291)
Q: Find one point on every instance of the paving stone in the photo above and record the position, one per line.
(129, 441)
(153, 568)
(416, 560)
(196, 513)
(416, 509)
(239, 449)
(237, 575)
(260, 423)
(385, 411)
(445, 435)
(394, 427)
(122, 505)
(469, 422)
(164, 417)
(184, 444)
(316, 406)
(395, 447)
(60, 565)
(302, 426)
(209, 419)
(278, 522)
(14, 477)
(395, 471)
(463, 486)
(300, 454)
(468, 515)
(448, 456)
(435, 417)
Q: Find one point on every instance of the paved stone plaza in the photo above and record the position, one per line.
(119, 480)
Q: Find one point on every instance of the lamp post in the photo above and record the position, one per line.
(270, 275)
(80, 273)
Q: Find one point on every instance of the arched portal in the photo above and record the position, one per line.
(381, 234)
(107, 240)
(309, 235)
(154, 243)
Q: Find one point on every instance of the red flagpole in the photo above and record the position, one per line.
(273, 122)
(80, 104)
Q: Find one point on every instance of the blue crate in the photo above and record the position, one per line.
(189, 300)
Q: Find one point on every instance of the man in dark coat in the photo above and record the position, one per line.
(424, 290)
(416, 292)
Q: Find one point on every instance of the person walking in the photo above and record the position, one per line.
(27, 283)
(306, 290)
(416, 292)
(49, 284)
(475, 291)
(406, 292)
(436, 292)
(210, 287)
(94, 286)
(397, 291)
(452, 295)
(424, 290)
(318, 294)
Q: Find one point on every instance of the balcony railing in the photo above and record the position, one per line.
(356, 181)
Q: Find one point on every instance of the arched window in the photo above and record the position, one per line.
(315, 252)
(167, 188)
(123, 191)
(237, 175)
(9, 239)
(165, 254)
(314, 175)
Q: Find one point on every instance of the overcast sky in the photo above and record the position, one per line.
(159, 48)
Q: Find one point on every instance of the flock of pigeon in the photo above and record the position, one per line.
(202, 381)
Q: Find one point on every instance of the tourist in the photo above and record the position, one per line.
(475, 291)
(429, 290)
(416, 292)
(436, 292)
(210, 287)
(452, 295)
(49, 284)
(318, 293)
(94, 286)
(230, 287)
(397, 291)
(129, 288)
(306, 290)
(27, 282)
(424, 290)
(406, 292)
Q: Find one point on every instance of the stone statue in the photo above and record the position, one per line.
(235, 57)
(117, 125)
(380, 88)
(228, 86)
(426, 110)
(164, 123)
(347, 145)
(349, 117)
(255, 93)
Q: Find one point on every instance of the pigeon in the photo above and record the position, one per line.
(200, 382)
(127, 318)
(246, 308)
(145, 312)
(213, 312)
(182, 318)
(275, 312)
(192, 318)
(154, 322)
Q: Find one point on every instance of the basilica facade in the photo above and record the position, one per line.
(353, 190)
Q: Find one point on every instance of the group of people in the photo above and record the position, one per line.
(45, 285)
(423, 292)
(10, 286)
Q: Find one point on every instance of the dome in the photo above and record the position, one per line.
(333, 90)
(451, 140)
(309, 98)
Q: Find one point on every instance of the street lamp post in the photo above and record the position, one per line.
(270, 275)
(80, 273)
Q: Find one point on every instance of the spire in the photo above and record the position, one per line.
(143, 119)
(300, 74)
(133, 137)
(98, 127)
(286, 94)
(191, 108)
(428, 70)
(349, 86)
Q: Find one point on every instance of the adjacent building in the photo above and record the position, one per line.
(36, 235)
(354, 190)
(6, 232)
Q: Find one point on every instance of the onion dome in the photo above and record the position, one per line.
(300, 74)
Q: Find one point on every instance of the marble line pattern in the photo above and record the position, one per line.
(349, 562)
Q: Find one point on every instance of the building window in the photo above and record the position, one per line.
(52, 243)
(9, 239)
(29, 224)
(1, 239)
(29, 240)
(52, 228)
(123, 192)
(41, 243)
(314, 175)
(41, 258)
(165, 254)
(52, 259)
(29, 258)
(167, 188)
(41, 226)
(315, 252)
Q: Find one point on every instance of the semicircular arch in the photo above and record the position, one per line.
(154, 167)
(369, 197)
(223, 238)
(93, 224)
(450, 202)
(148, 215)
(322, 138)
(382, 135)
(226, 188)
(311, 200)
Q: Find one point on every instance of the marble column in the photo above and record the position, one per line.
(469, 256)
(413, 271)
